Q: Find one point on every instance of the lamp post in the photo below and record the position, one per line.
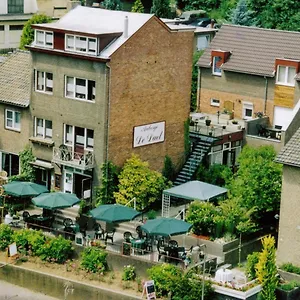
(203, 273)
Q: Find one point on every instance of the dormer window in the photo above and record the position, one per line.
(81, 44)
(44, 38)
(286, 75)
(217, 60)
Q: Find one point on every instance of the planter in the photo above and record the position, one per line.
(207, 122)
(287, 295)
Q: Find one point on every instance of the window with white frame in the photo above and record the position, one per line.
(15, 6)
(286, 75)
(81, 44)
(12, 120)
(79, 88)
(74, 135)
(216, 65)
(44, 38)
(214, 102)
(43, 128)
(247, 110)
(44, 82)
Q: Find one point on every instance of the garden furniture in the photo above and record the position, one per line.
(138, 245)
(99, 232)
(109, 235)
(127, 236)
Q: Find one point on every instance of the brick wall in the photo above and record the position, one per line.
(150, 82)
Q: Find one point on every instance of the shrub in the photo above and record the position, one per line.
(288, 267)
(56, 250)
(6, 236)
(290, 285)
(166, 278)
(94, 260)
(129, 273)
(252, 260)
(151, 214)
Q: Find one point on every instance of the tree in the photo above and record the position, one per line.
(112, 4)
(266, 270)
(169, 169)
(196, 57)
(198, 4)
(138, 7)
(138, 181)
(109, 184)
(241, 15)
(27, 36)
(161, 8)
(258, 181)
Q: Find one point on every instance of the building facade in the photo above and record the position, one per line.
(106, 84)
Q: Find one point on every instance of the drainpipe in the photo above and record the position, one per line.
(198, 90)
(266, 95)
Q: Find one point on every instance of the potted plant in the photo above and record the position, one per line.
(207, 121)
(234, 122)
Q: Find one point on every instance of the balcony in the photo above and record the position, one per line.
(66, 156)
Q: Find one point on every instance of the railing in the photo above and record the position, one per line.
(66, 156)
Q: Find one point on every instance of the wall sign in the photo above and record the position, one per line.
(149, 134)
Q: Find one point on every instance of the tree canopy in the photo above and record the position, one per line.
(241, 15)
(112, 4)
(138, 6)
(138, 181)
(161, 8)
(27, 36)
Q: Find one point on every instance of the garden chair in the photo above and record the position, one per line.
(25, 215)
(127, 236)
(139, 232)
(173, 244)
(99, 232)
(109, 235)
(68, 222)
(160, 249)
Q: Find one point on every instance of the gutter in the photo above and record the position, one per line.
(198, 89)
(266, 95)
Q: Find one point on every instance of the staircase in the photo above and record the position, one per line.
(201, 148)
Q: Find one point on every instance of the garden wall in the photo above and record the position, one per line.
(55, 286)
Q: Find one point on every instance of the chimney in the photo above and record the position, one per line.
(125, 33)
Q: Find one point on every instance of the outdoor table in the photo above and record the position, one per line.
(39, 220)
(138, 244)
(223, 275)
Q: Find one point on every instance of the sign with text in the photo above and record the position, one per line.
(149, 134)
(150, 290)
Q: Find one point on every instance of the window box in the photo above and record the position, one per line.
(41, 141)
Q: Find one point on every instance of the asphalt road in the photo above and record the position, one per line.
(9, 291)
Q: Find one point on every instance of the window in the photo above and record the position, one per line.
(81, 44)
(79, 88)
(202, 42)
(9, 163)
(43, 82)
(286, 75)
(80, 136)
(43, 128)
(44, 38)
(15, 6)
(1, 27)
(214, 102)
(12, 120)
(216, 65)
(247, 110)
(16, 27)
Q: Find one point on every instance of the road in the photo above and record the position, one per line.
(9, 291)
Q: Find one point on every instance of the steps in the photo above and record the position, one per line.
(200, 149)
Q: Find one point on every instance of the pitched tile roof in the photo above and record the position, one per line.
(253, 50)
(15, 79)
(290, 154)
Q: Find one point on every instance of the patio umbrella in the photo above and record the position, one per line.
(114, 213)
(166, 226)
(55, 200)
(24, 189)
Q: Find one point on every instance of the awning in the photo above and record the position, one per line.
(41, 164)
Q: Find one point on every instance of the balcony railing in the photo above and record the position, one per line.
(66, 156)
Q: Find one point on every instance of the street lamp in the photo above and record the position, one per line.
(203, 273)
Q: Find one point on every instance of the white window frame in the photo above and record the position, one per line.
(47, 83)
(44, 134)
(247, 105)
(76, 88)
(13, 120)
(85, 137)
(86, 47)
(43, 42)
(214, 66)
(214, 102)
(285, 82)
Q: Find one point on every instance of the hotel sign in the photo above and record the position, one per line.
(149, 134)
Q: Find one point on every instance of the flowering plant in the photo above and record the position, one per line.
(128, 273)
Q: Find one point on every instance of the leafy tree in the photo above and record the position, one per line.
(27, 36)
(138, 6)
(198, 4)
(136, 180)
(112, 4)
(169, 169)
(258, 180)
(161, 8)
(109, 184)
(266, 270)
(196, 57)
(241, 15)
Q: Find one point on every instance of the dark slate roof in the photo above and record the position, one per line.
(253, 50)
(290, 154)
(15, 79)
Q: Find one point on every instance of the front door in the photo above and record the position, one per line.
(68, 182)
(82, 186)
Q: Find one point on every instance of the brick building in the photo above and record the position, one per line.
(106, 84)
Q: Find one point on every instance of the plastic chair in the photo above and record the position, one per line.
(173, 244)
(99, 232)
(109, 235)
(25, 215)
(127, 236)
(68, 222)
